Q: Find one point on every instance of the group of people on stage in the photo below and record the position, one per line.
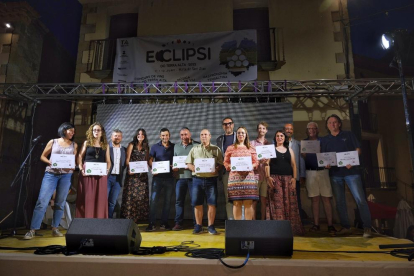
(275, 181)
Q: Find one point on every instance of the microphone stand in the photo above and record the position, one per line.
(21, 173)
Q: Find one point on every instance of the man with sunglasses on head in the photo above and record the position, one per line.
(223, 141)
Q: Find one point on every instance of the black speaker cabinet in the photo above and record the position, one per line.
(103, 236)
(263, 237)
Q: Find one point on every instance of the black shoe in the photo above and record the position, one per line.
(151, 227)
(165, 227)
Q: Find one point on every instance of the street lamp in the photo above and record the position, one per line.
(8, 26)
(395, 40)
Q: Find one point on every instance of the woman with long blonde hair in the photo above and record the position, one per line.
(242, 187)
(92, 198)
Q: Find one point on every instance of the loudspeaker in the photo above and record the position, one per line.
(263, 237)
(106, 236)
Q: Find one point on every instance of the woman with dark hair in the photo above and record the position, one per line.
(135, 197)
(54, 179)
(242, 187)
(92, 199)
(282, 203)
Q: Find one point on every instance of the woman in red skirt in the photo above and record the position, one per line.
(92, 198)
(281, 176)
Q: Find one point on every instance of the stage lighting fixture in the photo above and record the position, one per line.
(386, 41)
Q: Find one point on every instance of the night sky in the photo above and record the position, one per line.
(366, 32)
(62, 18)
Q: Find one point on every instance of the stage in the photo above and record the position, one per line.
(19, 262)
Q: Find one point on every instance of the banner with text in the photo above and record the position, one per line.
(224, 56)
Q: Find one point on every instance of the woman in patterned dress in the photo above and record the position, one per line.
(135, 197)
(282, 201)
(242, 187)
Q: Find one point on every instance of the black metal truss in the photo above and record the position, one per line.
(355, 89)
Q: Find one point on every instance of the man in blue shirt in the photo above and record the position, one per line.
(342, 141)
(161, 151)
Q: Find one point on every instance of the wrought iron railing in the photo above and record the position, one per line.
(380, 178)
(101, 55)
(370, 124)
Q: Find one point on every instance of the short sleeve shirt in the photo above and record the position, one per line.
(344, 141)
(160, 153)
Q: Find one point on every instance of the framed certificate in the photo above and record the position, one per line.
(179, 162)
(205, 165)
(266, 152)
(241, 164)
(161, 167)
(310, 146)
(138, 167)
(347, 158)
(95, 168)
(63, 161)
(326, 158)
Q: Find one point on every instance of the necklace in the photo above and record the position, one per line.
(97, 153)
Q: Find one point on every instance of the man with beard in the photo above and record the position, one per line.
(116, 176)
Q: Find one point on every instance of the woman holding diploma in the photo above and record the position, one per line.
(92, 199)
(282, 201)
(58, 179)
(135, 197)
(242, 187)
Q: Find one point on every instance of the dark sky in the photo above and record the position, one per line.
(366, 32)
(62, 18)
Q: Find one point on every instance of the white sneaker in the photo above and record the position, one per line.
(367, 233)
(56, 233)
(29, 235)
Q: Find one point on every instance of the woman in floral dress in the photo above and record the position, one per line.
(135, 197)
(242, 187)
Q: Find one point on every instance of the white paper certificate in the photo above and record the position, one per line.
(63, 161)
(95, 168)
(138, 167)
(266, 152)
(179, 162)
(205, 165)
(347, 158)
(326, 158)
(310, 146)
(241, 164)
(161, 167)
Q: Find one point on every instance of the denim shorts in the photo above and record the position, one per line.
(204, 187)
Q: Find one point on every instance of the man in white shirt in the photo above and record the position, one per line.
(116, 173)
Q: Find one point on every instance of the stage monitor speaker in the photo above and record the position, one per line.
(103, 236)
(263, 237)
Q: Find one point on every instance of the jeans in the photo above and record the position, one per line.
(204, 186)
(181, 187)
(158, 184)
(51, 182)
(355, 186)
(114, 186)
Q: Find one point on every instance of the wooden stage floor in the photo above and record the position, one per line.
(19, 262)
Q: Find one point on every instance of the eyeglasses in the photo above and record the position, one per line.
(227, 124)
(312, 128)
(97, 130)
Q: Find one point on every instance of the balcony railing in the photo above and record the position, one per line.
(370, 123)
(380, 178)
(101, 55)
